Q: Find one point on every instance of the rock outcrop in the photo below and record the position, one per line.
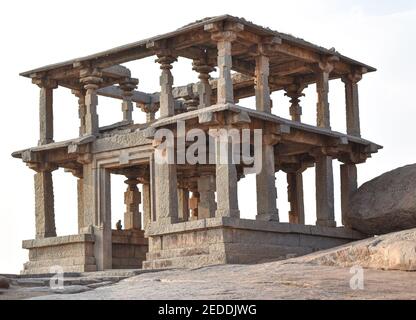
(393, 251)
(385, 204)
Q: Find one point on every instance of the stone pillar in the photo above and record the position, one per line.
(102, 231)
(91, 80)
(150, 109)
(97, 212)
(322, 87)
(204, 88)
(81, 109)
(166, 194)
(294, 92)
(295, 197)
(266, 186)
(127, 86)
(324, 181)
(226, 178)
(206, 189)
(225, 93)
(193, 205)
(348, 187)
(261, 81)
(45, 110)
(167, 103)
(44, 202)
(147, 209)
(132, 200)
(265, 180)
(352, 103)
(80, 193)
(183, 204)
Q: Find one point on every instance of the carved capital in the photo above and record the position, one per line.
(128, 85)
(43, 82)
(91, 78)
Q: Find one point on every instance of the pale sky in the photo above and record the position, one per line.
(36, 33)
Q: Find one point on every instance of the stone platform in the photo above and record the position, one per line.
(75, 253)
(226, 240)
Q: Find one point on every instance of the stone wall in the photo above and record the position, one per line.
(129, 249)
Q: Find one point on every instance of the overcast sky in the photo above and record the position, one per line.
(37, 33)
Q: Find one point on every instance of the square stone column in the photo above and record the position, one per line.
(262, 89)
(352, 103)
(226, 178)
(295, 197)
(225, 91)
(45, 109)
(165, 184)
(132, 200)
(348, 187)
(80, 193)
(206, 189)
(167, 103)
(44, 204)
(266, 186)
(324, 181)
(97, 212)
(91, 78)
(322, 71)
(183, 204)
(147, 209)
(127, 86)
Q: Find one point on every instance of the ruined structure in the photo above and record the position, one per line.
(190, 211)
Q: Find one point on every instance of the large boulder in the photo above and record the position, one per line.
(392, 251)
(385, 204)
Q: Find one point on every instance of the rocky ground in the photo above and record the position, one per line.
(389, 263)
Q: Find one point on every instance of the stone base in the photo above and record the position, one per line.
(236, 241)
(129, 249)
(74, 253)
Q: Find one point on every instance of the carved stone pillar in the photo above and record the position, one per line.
(44, 202)
(295, 197)
(204, 88)
(150, 109)
(324, 181)
(45, 110)
(322, 71)
(348, 187)
(225, 93)
(226, 178)
(80, 94)
(91, 78)
(167, 103)
(266, 184)
(261, 81)
(147, 202)
(183, 203)
(294, 92)
(352, 103)
(132, 200)
(127, 86)
(206, 189)
(165, 186)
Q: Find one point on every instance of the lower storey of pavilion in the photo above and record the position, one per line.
(191, 244)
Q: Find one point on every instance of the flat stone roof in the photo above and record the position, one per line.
(249, 26)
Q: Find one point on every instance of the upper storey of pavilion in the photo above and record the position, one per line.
(292, 60)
